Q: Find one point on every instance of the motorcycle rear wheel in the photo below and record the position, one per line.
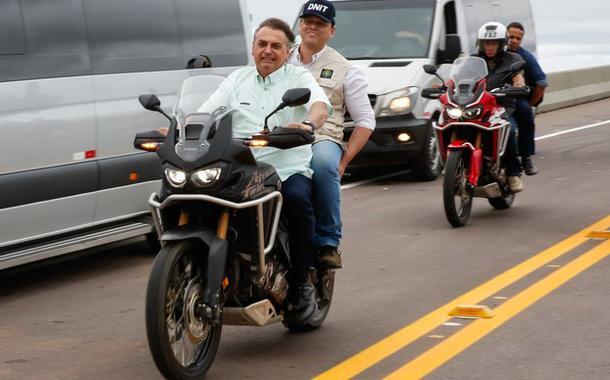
(502, 203)
(182, 343)
(325, 285)
(457, 198)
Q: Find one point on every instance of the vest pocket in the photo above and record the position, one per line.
(325, 82)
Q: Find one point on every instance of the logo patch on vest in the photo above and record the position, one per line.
(326, 73)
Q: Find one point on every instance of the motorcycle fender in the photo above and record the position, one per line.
(460, 144)
(216, 256)
(476, 160)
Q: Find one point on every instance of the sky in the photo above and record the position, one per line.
(570, 34)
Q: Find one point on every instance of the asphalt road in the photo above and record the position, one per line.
(404, 264)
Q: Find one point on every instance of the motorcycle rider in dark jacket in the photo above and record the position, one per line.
(492, 42)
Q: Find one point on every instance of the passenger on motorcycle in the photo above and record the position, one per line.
(255, 92)
(346, 87)
(492, 42)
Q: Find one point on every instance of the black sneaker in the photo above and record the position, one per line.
(303, 306)
(330, 258)
(528, 166)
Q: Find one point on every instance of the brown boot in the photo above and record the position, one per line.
(330, 258)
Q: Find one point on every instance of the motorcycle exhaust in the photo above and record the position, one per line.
(261, 313)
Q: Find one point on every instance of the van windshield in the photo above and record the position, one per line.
(383, 28)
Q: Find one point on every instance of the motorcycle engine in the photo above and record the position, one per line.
(276, 283)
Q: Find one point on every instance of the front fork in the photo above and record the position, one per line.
(476, 156)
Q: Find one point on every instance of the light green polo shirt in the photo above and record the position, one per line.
(253, 98)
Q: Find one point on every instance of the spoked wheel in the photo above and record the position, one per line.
(325, 284)
(182, 340)
(457, 198)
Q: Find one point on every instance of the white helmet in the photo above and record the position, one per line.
(492, 31)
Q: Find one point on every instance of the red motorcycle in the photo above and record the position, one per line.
(472, 135)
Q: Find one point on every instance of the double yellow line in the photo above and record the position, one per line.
(456, 343)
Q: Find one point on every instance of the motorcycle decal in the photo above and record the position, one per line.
(257, 182)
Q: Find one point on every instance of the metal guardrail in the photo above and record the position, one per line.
(572, 87)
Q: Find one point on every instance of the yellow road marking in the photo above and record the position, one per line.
(599, 234)
(453, 345)
(401, 338)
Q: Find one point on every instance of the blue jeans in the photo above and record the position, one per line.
(510, 160)
(525, 124)
(327, 192)
(298, 209)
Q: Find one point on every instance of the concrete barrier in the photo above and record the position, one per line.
(572, 87)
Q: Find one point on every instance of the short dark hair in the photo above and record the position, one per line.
(516, 25)
(277, 24)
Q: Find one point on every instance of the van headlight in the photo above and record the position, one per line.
(395, 103)
(206, 177)
(176, 178)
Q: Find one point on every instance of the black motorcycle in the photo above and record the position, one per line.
(224, 255)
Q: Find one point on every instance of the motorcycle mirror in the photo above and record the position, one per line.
(296, 97)
(291, 98)
(149, 141)
(517, 66)
(430, 69)
(152, 103)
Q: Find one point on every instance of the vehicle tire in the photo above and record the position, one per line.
(325, 285)
(427, 166)
(172, 295)
(457, 198)
(502, 203)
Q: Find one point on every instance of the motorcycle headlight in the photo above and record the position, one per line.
(455, 112)
(206, 177)
(176, 178)
(396, 103)
(472, 112)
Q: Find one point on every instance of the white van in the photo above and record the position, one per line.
(70, 75)
(391, 40)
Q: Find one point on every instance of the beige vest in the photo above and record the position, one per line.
(329, 70)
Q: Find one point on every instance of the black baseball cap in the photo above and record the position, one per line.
(321, 8)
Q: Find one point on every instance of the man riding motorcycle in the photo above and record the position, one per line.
(254, 92)
(492, 43)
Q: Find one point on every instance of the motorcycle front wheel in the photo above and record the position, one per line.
(457, 198)
(182, 342)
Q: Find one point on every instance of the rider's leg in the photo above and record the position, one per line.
(511, 162)
(298, 208)
(525, 120)
(327, 200)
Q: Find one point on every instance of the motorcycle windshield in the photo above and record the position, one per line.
(465, 73)
(194, 92)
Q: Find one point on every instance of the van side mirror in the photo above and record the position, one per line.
(453, 48)
(199, 62)
(152, 103)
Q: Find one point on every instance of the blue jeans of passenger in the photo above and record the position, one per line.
(525, 124)
(327, 192)
(298, 209)
(510, 160)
